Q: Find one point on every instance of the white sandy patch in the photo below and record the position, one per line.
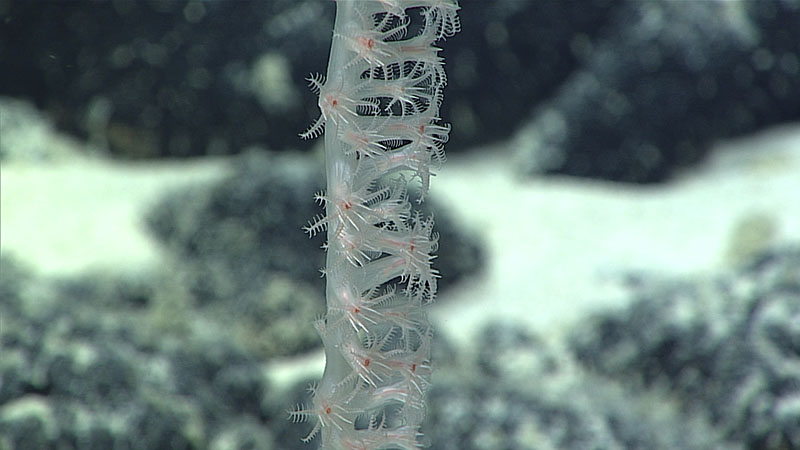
(557, 247)
(67, 217)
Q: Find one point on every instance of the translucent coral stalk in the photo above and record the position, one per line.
(379, 112)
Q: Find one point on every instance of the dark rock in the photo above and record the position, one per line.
(673, 79)
(165, 422)
(240, 389)
(27, 422)
(170, 78)
(245, 436)
(85, 367)
(522, 394)
(727, 346)
(510, 56)
(248, 226)
(241, 253)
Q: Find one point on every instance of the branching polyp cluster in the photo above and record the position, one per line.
(379, 108)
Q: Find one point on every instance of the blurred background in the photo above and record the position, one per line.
(619, 221)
